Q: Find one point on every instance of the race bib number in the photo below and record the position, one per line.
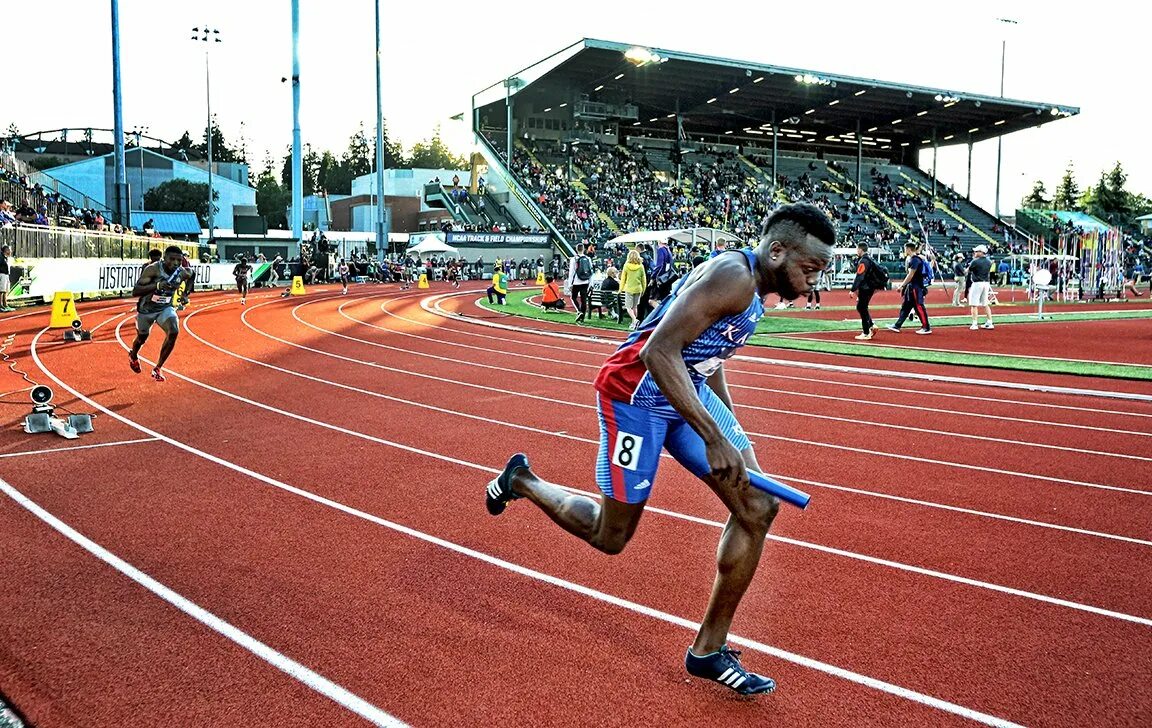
(708, 367)
(157, 298)
(626, 452)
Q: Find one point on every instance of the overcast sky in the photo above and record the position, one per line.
(437, 54)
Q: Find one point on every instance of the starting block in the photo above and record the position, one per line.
(77, 333)
(43, 418)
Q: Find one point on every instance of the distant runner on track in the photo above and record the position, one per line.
(157, 285)
(240, 272)
(345, 273)
(664, 388)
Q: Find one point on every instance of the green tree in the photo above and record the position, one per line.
(42, 162)
(221, 152)
(310, 168)
(272, 200)
(359, 156)
(1037, 199)
(333, 175)
(1067, 195)
(180, 195)
(434, 154)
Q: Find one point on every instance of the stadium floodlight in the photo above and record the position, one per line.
(711, 100)
(973, 130)
(921, 113)
(810, 111)
(599, 88)
(811, 79)
(861, 92)
(758, 80)
(641, 56)
(897, 122)
(618, 76)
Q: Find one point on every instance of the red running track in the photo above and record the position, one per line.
(923, 576)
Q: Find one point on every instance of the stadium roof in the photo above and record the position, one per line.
(720, 97)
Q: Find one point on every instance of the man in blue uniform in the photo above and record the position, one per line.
(664, 388)
(159, 283)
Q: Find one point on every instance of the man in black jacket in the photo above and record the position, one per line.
(863, 286)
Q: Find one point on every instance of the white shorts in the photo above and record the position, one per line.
(978, 293)
(5, 283)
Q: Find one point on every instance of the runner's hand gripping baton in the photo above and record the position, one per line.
(786, 493)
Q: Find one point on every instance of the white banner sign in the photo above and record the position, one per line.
(42, 277)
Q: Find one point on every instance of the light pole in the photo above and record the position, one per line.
(208, 35)
(122, 204)
(139, 132)
(381, 236)
(1000, 137)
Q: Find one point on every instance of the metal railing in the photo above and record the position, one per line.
(32, 241)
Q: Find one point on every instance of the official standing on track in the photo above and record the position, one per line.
(913, 288)
(980, 292)
(870, 277)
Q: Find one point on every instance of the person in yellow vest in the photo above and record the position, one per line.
(499, 286)
(633, 281)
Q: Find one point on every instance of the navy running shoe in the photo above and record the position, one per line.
(724, 667)
(499, 492)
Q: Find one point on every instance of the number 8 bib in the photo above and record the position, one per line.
(626, 452)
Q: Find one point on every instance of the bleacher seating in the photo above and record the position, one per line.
(616, 189)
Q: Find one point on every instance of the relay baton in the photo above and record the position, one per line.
(786, 493)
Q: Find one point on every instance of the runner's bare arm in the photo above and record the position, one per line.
(724, 288)
(146, 286)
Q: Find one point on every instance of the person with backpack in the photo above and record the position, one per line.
(579, 278)
(870, 277)
(913, 288)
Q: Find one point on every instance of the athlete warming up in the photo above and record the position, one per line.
(158, 284)
(664, 388)
(345, 273)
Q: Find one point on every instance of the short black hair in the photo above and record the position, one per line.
(173, 249)
(549, 278)
(911, 245)
(794, 221)
(155, 253)
(861, 246)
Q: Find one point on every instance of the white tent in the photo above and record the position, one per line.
(432, 245)
(685, 235)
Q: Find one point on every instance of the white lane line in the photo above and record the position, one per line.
(807, 662)
(601, 353)
(567, 436)
(807, 337)
(733, 385)
(1049, 389)
(96, 328)
(314, 680)
(488, 470)
(76, 447)
(899, 456)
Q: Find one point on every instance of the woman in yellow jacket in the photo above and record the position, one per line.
(633, 281)
(499, 286)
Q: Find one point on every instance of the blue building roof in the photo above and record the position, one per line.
(168, 223)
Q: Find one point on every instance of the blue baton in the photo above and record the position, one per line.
(786, 493)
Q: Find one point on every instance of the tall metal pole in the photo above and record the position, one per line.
(381, 235)
(211, 204)
(859, 163)
(297, 159)
(508, 108)
(969, 195)
(775, 133)
(120, 203)
(1000, 138)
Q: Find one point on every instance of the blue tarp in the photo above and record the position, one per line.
(168, 223)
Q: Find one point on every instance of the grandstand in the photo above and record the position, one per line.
(603, 138)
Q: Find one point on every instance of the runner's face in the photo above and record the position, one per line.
(172, 261)
(800, 266)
